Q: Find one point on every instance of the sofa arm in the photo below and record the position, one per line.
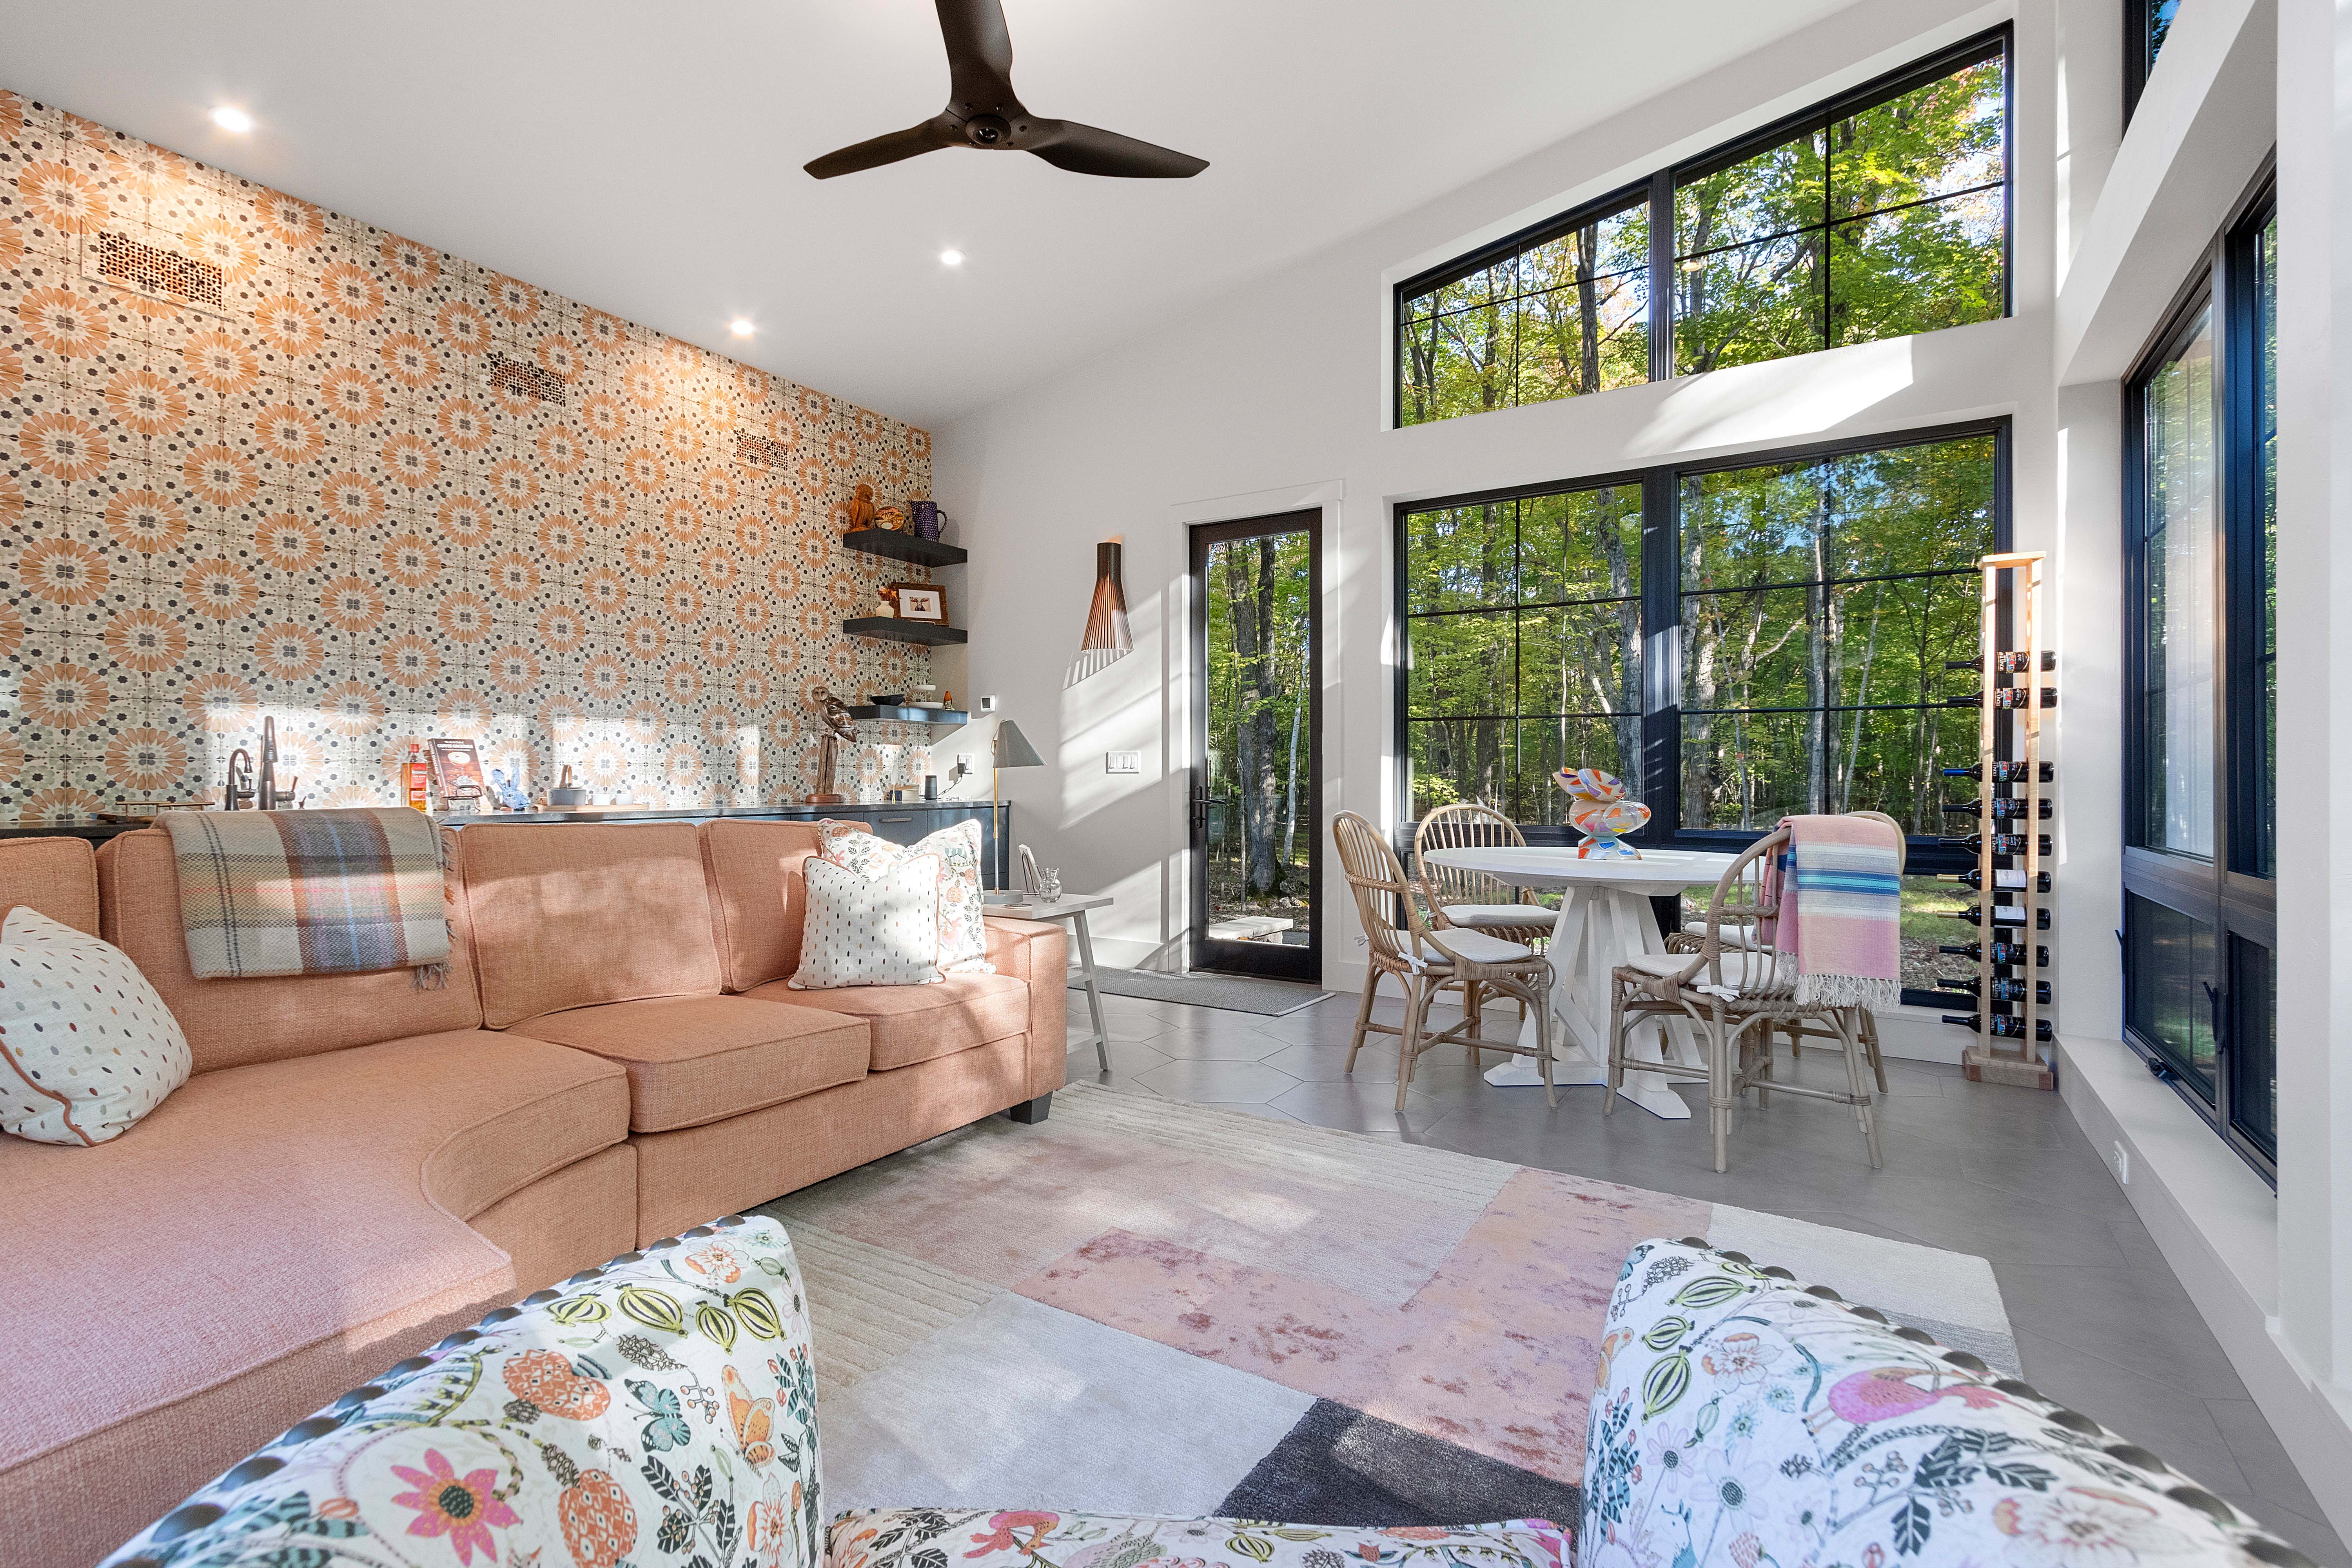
(1037, 952)
(1742, 1417)
(583, 1427)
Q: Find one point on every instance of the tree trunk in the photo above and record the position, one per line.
(1290, 778)
(1252, 609)
(1588, 311)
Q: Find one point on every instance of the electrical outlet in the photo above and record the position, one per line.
(988, 704)
(1122, 762)
(965, 760)
(2122, 1162)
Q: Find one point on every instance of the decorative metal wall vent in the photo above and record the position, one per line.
(530, 379)
(154, 272)
(761, 451)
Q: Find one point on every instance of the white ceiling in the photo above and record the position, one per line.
(645, 157)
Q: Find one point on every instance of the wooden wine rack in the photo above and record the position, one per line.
(1995, 1058)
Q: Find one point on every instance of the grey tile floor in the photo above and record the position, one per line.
(2101, 1321)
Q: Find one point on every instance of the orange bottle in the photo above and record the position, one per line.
(414, 775)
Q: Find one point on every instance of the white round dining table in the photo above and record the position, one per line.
(1604, 919)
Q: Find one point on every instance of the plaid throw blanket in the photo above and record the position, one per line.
(1839, 885)
(310, 892)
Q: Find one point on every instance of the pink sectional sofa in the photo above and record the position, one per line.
(358, 1166)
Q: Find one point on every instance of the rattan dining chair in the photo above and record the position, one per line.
(1427, 961)
(1736, 988)
(1473, 898)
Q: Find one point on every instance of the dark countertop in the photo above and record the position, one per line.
(102, 830)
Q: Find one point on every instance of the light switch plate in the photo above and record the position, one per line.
(1122, 762)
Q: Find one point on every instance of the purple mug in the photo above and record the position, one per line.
(927, 520)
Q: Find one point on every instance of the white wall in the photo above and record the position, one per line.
(1281, 390)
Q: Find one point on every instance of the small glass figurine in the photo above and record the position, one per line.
(1597, 807)
(1049, 884)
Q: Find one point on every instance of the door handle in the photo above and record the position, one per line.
(2213, 1000)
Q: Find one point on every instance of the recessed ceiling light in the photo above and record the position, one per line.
(740, 328)
(952, 259)
(228, 117)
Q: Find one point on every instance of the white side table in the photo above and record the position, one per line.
(1073, 908)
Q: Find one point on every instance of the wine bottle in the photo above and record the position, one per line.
(2004, 1024)
(2002, 843)
(2005, 663)
(2006, 696)
(2000, 879)
(2002, 773)
(2002, 915)
(2005, 808)
(2007, 988)
(2006, 953)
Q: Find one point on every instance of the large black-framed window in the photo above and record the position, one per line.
(1739, 638)
(1882, 212)
(2200, 507)
(2147, 25)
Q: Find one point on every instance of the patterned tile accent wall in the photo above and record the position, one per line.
(258, 458)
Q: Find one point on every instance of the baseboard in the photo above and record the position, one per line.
(2217, 1224)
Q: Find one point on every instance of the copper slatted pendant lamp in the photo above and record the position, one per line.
(1108, 638)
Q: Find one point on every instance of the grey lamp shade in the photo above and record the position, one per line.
(1108, 638)
(1014, 749)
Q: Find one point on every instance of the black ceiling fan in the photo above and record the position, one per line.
(983, 113)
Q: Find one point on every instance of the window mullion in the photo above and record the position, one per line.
(1662, 286)
(1662, 673)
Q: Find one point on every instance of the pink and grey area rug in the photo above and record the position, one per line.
(1142, 1307)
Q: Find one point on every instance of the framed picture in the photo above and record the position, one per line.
(921, 602)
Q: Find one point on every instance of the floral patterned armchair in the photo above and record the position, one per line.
(1741, 1419)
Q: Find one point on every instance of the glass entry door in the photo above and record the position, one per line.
(1256, 816)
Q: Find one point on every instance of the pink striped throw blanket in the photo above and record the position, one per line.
(1839, 885)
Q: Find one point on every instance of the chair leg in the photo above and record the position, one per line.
(1719, 1088)
(1363, 1013)
(1473, 1001)
(1870, 1045)
(1764, 1073)
(1543, 1048)
(1409, 1042)
(1616, 1047)
(1796, 1038)
(1850, 1036)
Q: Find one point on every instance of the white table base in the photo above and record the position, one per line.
(1598, 929)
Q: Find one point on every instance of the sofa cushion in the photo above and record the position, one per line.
(692, 1060)
(86, 1045)
(1813, 1431)
(270, 1235)
(570, 914)
(511, 1444)
(915, 1022)
(58, 877)
(882, 929)
(756, 895)
(235, 1023)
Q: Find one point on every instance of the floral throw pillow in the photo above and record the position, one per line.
(1739, 1419)
(661, 1410)
(963, 938)
(882, 929)
(1029, 1538)
(87, 1047)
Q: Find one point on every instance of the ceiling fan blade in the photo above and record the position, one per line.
(928, 137)
(1085, 150)
(980, 56)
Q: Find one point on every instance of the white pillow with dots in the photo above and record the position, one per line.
(87, 1047)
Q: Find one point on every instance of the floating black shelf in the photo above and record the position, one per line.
(944, 716)
(896, 630)
(900, 545)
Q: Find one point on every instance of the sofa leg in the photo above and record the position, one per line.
(1033, 1110)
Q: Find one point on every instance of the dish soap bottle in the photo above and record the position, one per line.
(413, 777)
